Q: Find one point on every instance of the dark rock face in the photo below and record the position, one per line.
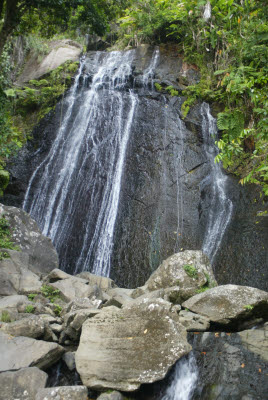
(231, 365)
(166, 188)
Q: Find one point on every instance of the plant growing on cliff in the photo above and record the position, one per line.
(229, 45)
(57, 309)
(50, 292)
(190, 270)
(29, 309)
(5, 235)
(5, 317)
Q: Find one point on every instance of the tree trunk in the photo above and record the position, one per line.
(11, 20)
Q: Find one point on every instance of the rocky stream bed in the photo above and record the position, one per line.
(113, 343)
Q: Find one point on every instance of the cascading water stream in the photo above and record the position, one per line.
(221, 206)
(85, 165)
(75, 190)
(184, 380)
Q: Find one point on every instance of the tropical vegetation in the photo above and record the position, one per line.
(225, 39)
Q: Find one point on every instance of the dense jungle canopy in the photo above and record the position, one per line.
(225, 39)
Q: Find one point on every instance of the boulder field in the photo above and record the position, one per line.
(118, 339)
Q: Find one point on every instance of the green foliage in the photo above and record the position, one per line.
(29, 309)
(190, 270)
(10, 138)
(207, 285)
(5, 235)
(231, 51)
(232, 122)
(172, 91)
(32, 296)
(50, 292)
(57, 309)
(4, 255)
(248, 307)
(5, 317)
(158, 86)
(202, 289)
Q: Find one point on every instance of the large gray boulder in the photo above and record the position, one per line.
(12, 303)
(101, 281)
(28, 237)
(73, 322)
(23, 384)
(16, 275)
(189, 271)
(230, 304)
(21, 352)
(33, 327)
(123, 348)
(72, 288)
(63, 393)
(59, 51)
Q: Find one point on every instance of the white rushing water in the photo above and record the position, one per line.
(221, 206)
(184, 380)
(80, 179)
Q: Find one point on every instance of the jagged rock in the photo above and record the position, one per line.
(139, 291)
(78, 304)
(22, 384)
(123, 348)
(56, 328)
(69, 359)
(13, 302)
(230, 305)
(72, 288)
(26, 234)
(101, 281)
(175, 272)
(111, 396)
(50, 319)
(32, 327)
(63, 393)
(60, 51)
(56, 275)
(16, 275)
(193, 322)
(73, 322)
(119, 296)
(232, 365)
(21, 352)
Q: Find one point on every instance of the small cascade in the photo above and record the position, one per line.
(148, 74)
(179, 198)
(184, 380)
(221, 206)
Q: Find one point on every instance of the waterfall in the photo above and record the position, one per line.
(84, 168)
(184, 380)
(220, 205)
(74, 193)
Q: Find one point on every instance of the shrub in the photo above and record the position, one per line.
(5, 235)
(5, 317)
(50, 292)
(29, 309)
(57, 309)
(31, 296)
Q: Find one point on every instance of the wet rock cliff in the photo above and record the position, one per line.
(167, 192)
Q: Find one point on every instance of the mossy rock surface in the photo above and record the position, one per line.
(4, 180)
